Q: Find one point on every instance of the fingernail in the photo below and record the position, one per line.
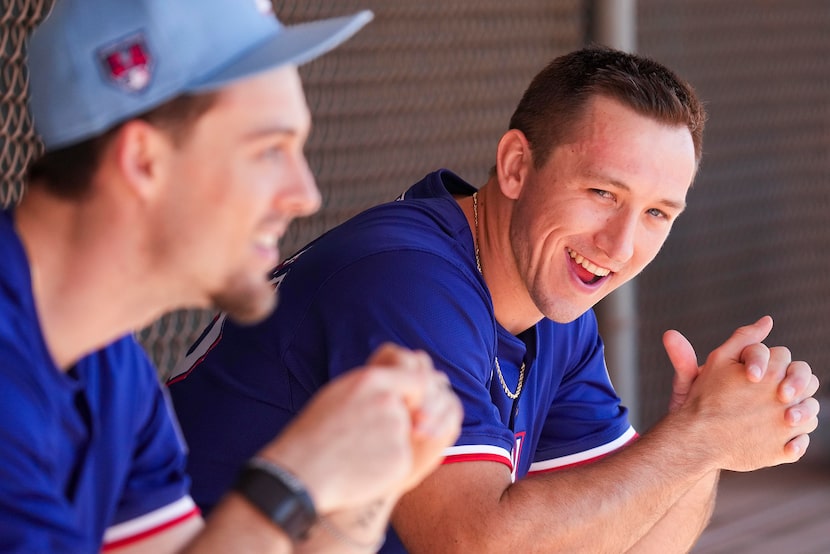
(795, 416)
(788, 392)
(755, 371)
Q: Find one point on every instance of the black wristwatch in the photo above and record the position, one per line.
(279, 495)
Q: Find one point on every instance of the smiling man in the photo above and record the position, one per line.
(498, 285)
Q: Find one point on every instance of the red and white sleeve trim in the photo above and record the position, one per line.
(585, 457)
(477, 453)
(150, 523)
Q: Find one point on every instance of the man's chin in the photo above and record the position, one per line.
(250, 308)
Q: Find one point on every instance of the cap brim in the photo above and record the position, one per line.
(295, 45)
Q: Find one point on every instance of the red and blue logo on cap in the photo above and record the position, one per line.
(128, 63)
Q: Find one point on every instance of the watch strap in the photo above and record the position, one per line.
(279, 495)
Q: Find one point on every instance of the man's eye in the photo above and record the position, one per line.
(603, 193)
(657, 213)
(272, 152)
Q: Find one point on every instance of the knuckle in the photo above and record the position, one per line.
(811, 406)
(760, 349)
(780, 354)
(424, 358)
(370, 377)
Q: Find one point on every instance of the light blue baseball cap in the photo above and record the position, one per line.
(96, 63)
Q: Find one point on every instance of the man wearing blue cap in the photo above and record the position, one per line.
(174, 135)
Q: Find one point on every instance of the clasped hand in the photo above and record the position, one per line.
(757, 403)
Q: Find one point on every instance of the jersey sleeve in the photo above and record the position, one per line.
(420, 300)
(586, 420)
(154, 496)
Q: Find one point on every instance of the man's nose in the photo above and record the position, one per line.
(616, 238)
(298, 195)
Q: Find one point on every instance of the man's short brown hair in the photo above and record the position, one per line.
(557, 96)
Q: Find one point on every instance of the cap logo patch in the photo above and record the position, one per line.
(128, 63)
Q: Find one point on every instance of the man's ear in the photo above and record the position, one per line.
(141, 153)
(513, 161)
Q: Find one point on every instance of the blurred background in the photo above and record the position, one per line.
(432, 84)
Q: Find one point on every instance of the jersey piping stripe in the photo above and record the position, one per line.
(199, 350)
(584, 457)
(150, 523)
(477, 452)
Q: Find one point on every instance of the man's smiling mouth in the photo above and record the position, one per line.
(592, 272)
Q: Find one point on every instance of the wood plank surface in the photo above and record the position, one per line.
(781, 510)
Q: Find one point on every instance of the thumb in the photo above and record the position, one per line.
(746, 336)
(684, 360)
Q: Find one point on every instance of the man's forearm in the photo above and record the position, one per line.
(607, 506)
(616, 503)
(236, 526)
(353, 532)
(682, 525)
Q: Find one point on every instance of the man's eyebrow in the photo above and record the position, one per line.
(677, 205)
(272, 130)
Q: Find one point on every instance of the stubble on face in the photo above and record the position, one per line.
(246, 301)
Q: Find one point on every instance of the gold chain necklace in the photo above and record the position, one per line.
(510, 395)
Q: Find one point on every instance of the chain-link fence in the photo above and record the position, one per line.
(18, 142)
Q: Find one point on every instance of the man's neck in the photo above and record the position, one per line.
(514, 309)
(87, 288)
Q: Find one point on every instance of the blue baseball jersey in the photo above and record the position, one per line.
(402, 272)
(89, 458)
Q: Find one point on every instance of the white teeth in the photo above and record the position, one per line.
(595, 269)
(267, 241)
